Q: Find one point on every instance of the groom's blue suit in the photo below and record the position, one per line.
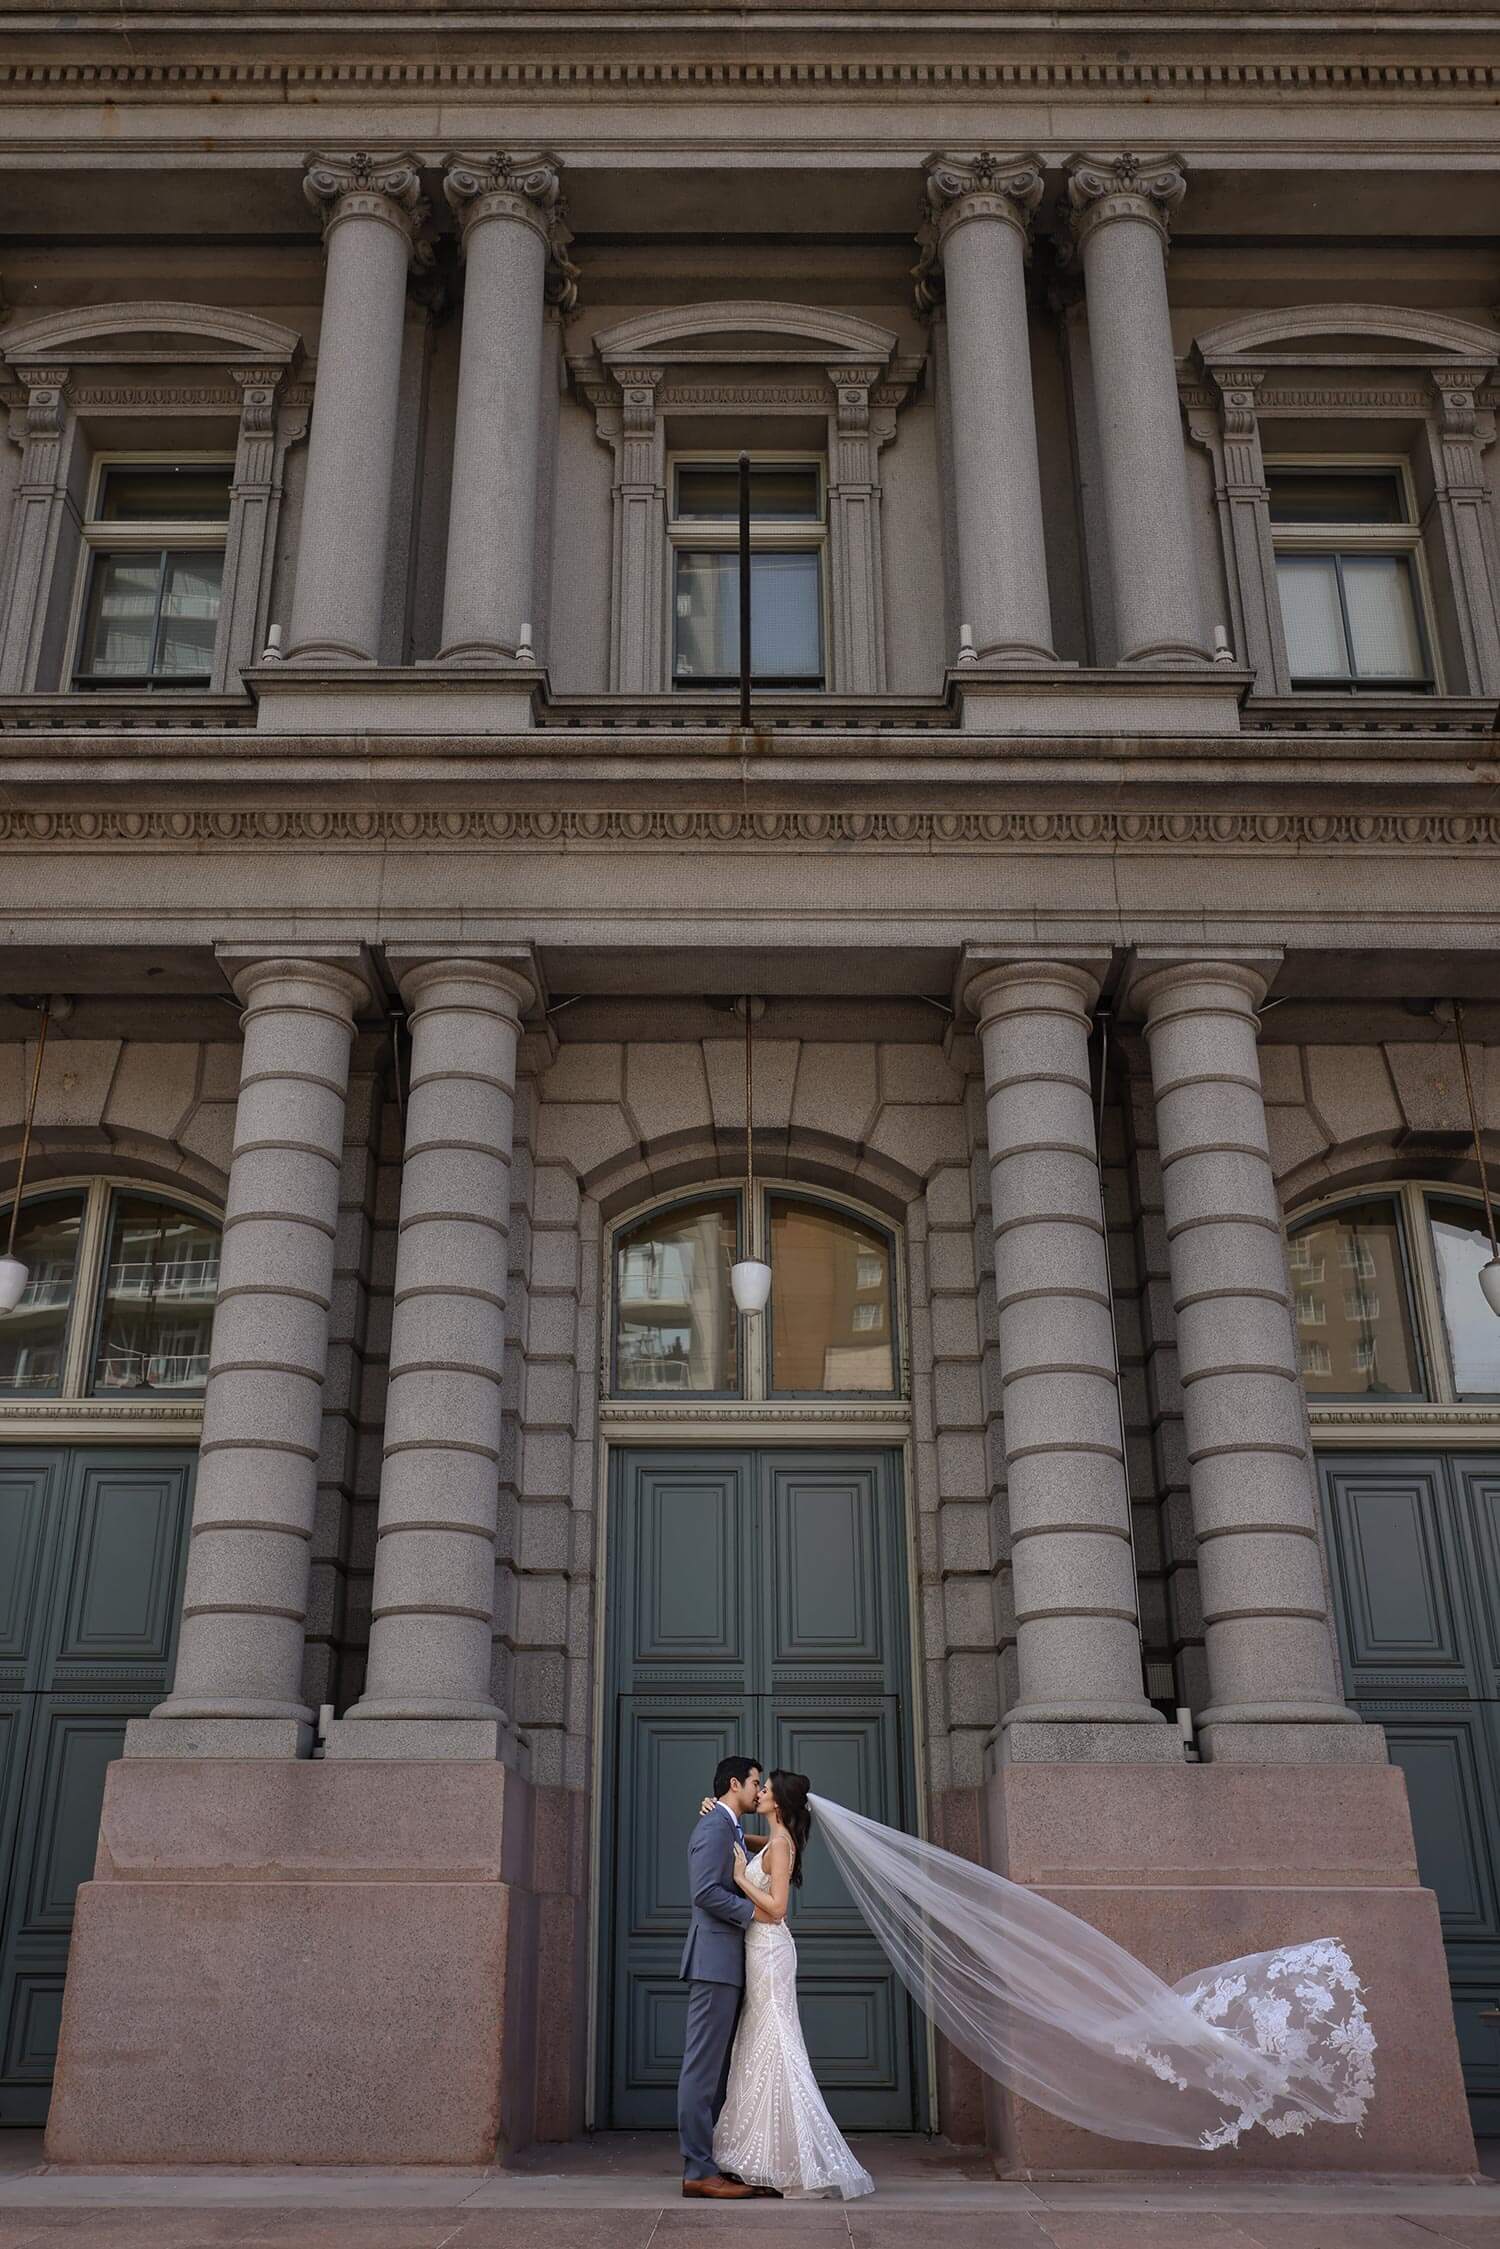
(713, 1967)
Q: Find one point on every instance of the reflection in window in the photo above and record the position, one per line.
(33, 1338)
(155, 537)
(831, 1326)
(160, 1278)
(1462, 1247)
(675, 1323)
(1355, 1340)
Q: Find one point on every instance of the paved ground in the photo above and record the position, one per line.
(619, 2192)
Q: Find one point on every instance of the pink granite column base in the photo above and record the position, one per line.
(314, 1963)
(1192, 1865)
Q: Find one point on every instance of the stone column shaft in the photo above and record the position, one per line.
(239, 1661)
(980, 233)
(509, 213)
(1120, 210)
(427, 1690)
(1273, 1678)
(371, 215)
(1073, 1568)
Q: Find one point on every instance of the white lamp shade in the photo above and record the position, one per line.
(1489, 1281)
(13, 1279)
(750, 1284)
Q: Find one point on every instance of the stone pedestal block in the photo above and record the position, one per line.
(1189, 1865)
(314, 1963)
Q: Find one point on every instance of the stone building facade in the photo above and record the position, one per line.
(1112, 1490)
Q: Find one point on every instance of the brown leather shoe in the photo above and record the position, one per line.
(717, 2190)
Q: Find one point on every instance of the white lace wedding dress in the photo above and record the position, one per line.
(775, 2130)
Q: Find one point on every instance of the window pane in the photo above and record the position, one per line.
(1323, 496)
(786, 618)
(161, 1274)
(190, 614)
(784, 490)
(1383, 617)
(1308, 584)
(33, 1337)
(831, 1325)
(675, 1322)
(1473, 1332)
(121, 622)
(1354, 1331)
(163, 492)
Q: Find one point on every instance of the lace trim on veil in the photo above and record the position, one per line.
(1052, 2008)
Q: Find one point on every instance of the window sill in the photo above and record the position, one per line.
(142, 710)
(1383, 711)
(772, 710)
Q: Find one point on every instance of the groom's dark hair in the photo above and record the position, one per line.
(733, 1768)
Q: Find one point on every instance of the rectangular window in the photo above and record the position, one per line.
(788, 535)
(154, 567)
(1349, 576)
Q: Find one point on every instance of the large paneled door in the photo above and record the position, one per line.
(92, 1545)
(757, 1606)
(1414, 1544)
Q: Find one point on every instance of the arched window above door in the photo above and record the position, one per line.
(120, 1297)
(1385, 1294)
(830, 1329)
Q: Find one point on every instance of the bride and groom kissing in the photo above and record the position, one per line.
(1038, 1998)
(750, 2116)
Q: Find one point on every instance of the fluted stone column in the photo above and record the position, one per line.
(427, 1690)
(1073, 1569)
(1119, 209)
(238, 1686)
(372, 210)
(1273, 1679)
(975, 247)
(510, 213)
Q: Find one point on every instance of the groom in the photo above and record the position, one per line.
(713, 1968)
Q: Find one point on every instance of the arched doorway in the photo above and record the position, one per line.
(757, 1602)
(1401, 1366)
(102, 1368)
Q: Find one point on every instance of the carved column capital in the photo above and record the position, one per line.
(388, 188)
(46, 398)
(1456, 392)
(1105, 188)
(258, 388)
(961, 189)
(526, 190)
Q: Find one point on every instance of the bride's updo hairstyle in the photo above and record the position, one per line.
(790, 1791)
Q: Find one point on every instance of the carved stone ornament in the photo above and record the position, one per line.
(1102, 188)
(960, 188)
(526, 189)
(361, 186)
(46, 396)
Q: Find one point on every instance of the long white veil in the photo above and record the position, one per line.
(1065, 2017)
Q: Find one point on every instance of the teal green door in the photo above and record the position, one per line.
(757, 1606)
(92, 1545)
(1414, 1546)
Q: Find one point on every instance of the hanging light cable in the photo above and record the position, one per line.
(13, 1274)
(1489, 1275)
(750, 1278)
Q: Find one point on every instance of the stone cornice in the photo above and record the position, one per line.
(1286, 77)
(467, 827)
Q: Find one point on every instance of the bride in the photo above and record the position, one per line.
(1039, 1999)
(774, 2130)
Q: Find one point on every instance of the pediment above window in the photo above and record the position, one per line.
(149, 333)
(1361, 335)
(745, 329)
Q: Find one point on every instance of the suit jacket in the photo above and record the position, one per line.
(715, 1948)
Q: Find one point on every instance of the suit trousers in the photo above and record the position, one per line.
(713, 2011)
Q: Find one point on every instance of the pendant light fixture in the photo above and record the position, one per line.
(1489, 1275)
(13, 1274)
(750, 1279)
